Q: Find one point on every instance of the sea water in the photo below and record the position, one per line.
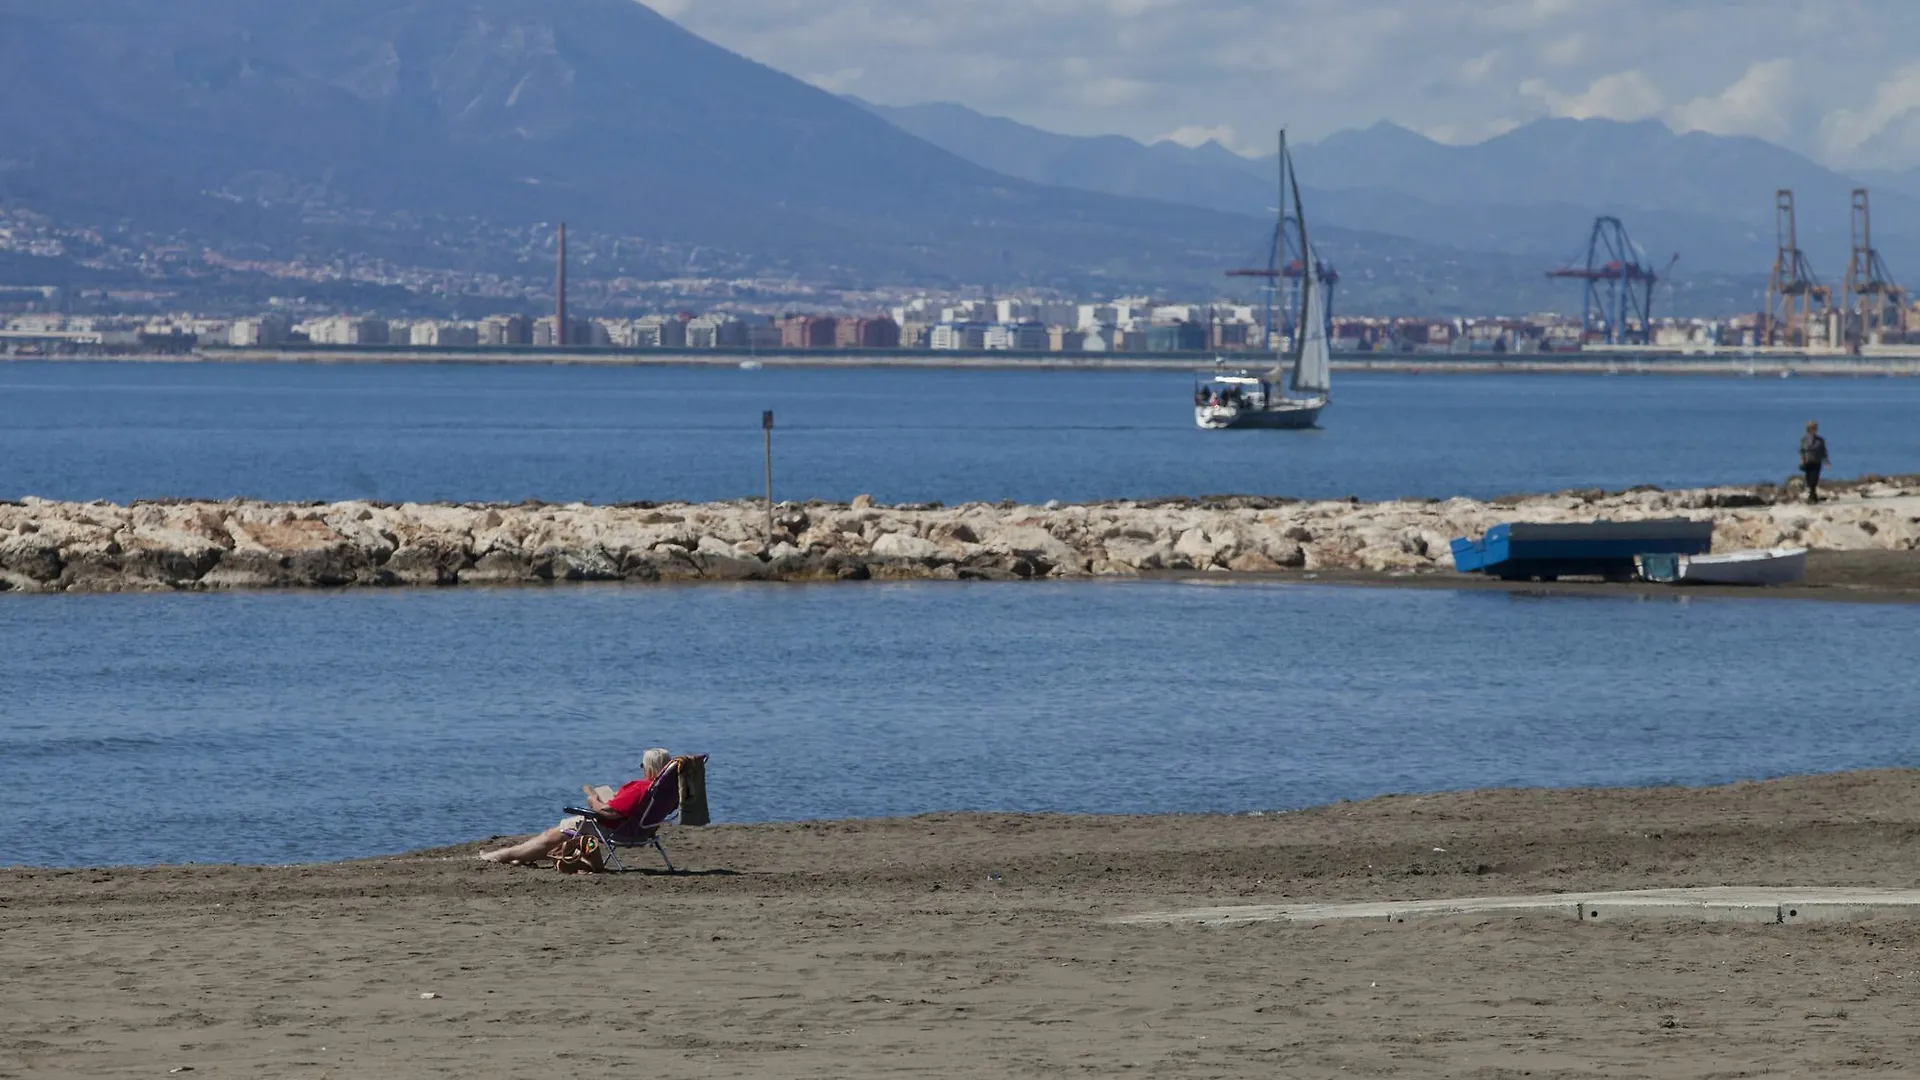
(280, 727)
(421, 432)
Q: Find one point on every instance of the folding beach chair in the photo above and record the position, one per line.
(640, 829)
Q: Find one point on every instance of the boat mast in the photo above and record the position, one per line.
(1307, 269)
(1276, 298)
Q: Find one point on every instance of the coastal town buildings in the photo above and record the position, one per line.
(880, 332)
(808, 331)
(503, 330)
(957, 336)
(263, 331)
(1035, 325)
(1019, 337)
(346, 331)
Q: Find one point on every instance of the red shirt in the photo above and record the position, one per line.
(629, 797)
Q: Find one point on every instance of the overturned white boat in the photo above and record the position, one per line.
(1768, 566)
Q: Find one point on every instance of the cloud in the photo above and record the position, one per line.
(1200, 135)
(1479, 69)
(1847, 134)
(1624, 95)
(1464, 67)
(1112, 91)
(1759, 103)
(837, 82)
(1565, 52)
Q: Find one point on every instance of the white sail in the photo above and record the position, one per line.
(1313, 363)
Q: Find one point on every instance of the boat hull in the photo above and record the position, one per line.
(1283, 414)
(1519, 551)
(1780, 566)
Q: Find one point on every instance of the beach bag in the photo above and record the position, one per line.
(579, 854)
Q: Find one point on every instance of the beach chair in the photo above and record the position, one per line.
(640, 829)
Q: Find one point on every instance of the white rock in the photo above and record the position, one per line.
(909, 547)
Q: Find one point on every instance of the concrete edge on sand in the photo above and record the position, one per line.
(1743, 904)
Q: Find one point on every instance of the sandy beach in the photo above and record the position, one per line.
(980, 945)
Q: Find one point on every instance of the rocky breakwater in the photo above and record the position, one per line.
(98, 547)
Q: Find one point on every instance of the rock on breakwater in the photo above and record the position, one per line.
(99, 547)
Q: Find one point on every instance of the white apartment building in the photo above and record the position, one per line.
(341, 330)
(1094, 316)
(966, 311)
(1023, 337)
(950, 336)
(506, 330)
(704, 332)
(255, 333)
(660, 332)
(1015, 311)
(716, 330)
(621, 333)
(580, 332)
(437, 335)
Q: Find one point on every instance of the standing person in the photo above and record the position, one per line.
(1813, 457)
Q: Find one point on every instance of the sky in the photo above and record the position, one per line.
(1838, 80)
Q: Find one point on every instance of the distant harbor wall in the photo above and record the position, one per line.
(1597, 360)
(1610, 360)
(186, 545)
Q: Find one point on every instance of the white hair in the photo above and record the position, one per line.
(653, 761)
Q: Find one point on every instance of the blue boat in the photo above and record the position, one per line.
(1523, 552)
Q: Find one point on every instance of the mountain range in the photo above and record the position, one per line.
(1533, 191)
(397, 124)
(447, 135)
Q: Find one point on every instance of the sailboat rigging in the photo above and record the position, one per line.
(1244, 400)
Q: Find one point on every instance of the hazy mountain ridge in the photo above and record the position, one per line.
(255, 119)
(1534, 190)
(440, 133)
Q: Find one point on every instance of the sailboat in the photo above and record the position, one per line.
(1244, 400)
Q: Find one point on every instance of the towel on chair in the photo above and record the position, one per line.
(693, 790)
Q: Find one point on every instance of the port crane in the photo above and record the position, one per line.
(1796, 300)
(1618, 292)
(1284, 265)
(1874, 305)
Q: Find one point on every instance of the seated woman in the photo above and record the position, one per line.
(623, 803)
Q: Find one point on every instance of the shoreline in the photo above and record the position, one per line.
(1729, 365)
(985, 945)
(1858, 577)
(1867, 533)
(1459, 804)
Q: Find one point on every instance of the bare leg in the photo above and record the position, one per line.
(529, 849)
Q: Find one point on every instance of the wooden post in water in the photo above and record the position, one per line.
(766, 432)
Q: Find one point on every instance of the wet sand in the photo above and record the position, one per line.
(1871, 577)
(977, 945)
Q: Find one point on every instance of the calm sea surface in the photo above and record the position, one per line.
(282, 727)
(299, 726)
(459, 432)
